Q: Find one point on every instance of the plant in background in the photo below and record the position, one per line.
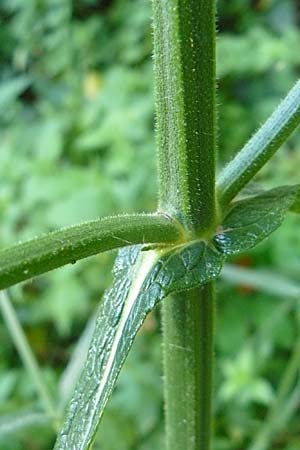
(174, 255)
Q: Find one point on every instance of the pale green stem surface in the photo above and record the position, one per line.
(260, 148)
(20, 340)
(37, 256)
(188, 321)
(184, 56)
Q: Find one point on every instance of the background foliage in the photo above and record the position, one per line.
(77, 142)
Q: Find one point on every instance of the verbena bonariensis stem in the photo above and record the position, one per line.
(184, 52)
(188, 322)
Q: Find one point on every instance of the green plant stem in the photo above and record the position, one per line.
(184, 55)
(19, 338)
(260, 148)
(188, 321)
(26, 260)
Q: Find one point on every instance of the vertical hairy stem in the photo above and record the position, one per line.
(188, 347)
(184, 51)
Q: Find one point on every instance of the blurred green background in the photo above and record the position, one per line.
(77, 142)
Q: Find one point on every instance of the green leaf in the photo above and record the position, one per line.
(296, 205)
(251, 220)
(141, 280)
(10, 90)
(253, 189)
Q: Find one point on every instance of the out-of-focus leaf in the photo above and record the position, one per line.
(266, 281)
(10, 90)
(256, 51)
(8, 382)
(242, 383)
(13, 423)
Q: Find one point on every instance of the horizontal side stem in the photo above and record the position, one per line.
(260, 148)
(37, 256)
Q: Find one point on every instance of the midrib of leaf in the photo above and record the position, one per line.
(145, 262)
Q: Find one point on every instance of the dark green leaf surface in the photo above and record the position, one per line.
(254, 189)
(296, 205)
(141, 279)
(251, 220)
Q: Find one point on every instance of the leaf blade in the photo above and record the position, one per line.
(142, 279)
(296, 205)
(251, 220)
